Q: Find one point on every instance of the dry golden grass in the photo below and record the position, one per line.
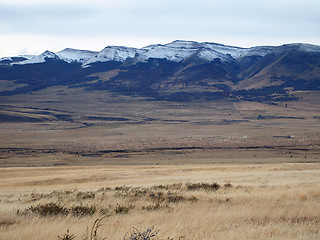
(280, 201)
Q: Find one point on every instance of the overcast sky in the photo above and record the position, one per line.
(33, 26)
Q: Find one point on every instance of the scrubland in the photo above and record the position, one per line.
(280, 201)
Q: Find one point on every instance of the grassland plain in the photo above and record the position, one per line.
(235, 201)
(197, 170)
(136, 131)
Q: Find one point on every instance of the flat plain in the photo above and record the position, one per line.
(197, 170)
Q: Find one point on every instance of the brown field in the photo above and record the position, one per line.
(138, 163)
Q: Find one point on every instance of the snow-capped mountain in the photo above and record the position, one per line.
(178, 71)
(175, 51)
(67, 55)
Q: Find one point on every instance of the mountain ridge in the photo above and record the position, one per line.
(177, 71)
(177, 50)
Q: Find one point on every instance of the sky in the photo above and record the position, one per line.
(33, 26)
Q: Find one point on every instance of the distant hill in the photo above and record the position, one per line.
(178, 71)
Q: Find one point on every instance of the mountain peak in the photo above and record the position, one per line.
(49, 54)
(38, 59)
(178, 50)
(184, 44)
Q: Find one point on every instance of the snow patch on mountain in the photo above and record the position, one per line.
(75, 55)
(113, 53)
(208, 54)
(234, 52)
(305, 47)
(168, 52)
(180, 50)
(38, 59)
(184, 44)
(5, 59)
(27, 56)
(257, 51)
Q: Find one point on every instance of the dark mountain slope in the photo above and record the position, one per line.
(259, 74)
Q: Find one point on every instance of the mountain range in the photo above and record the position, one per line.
(178, 71)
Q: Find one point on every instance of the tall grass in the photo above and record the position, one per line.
(282, 202)
(177, 210)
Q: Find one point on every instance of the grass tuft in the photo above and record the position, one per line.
(148, 234)
(48, 209)
(202, 186)
(86, 195)
(121, 209)
(67, 236)
(80, 211)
